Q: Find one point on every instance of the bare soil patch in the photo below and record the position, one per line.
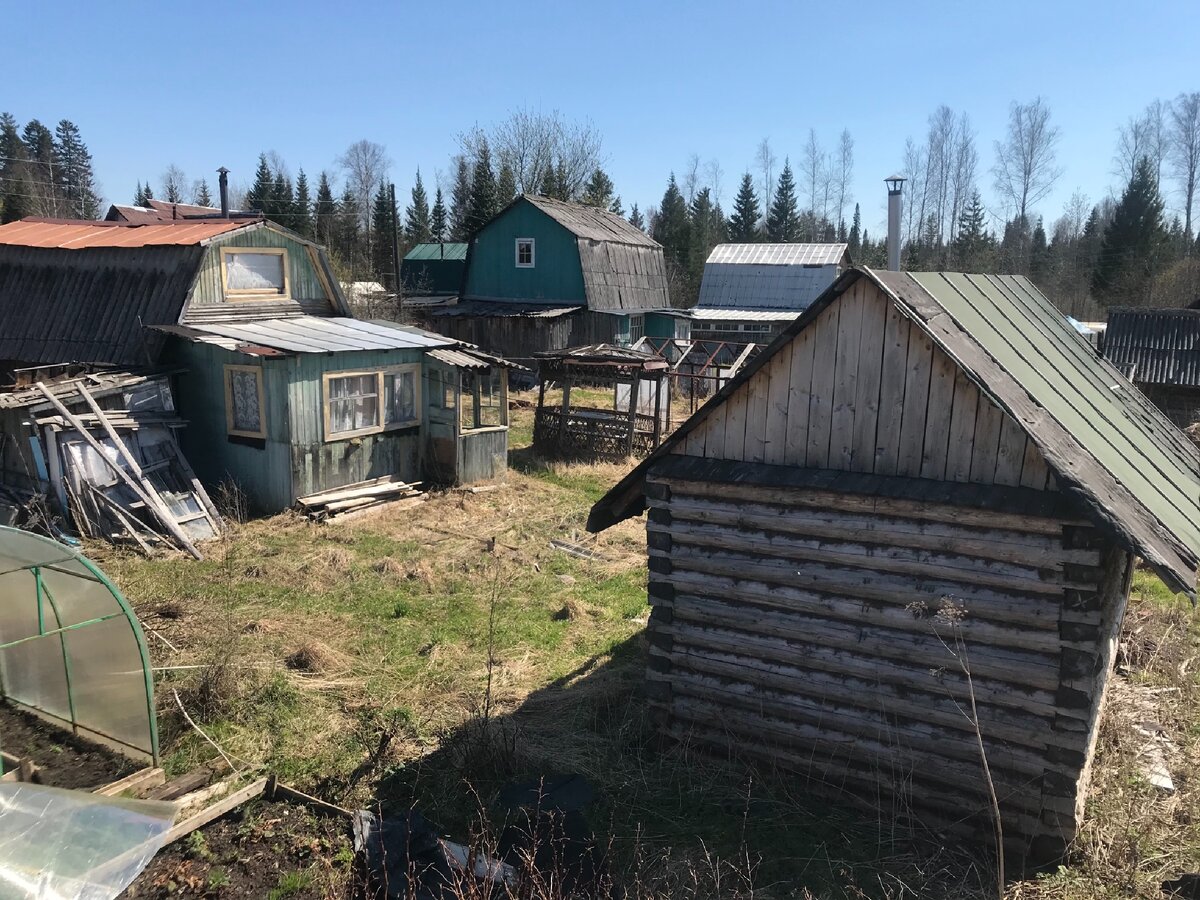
(63, 760)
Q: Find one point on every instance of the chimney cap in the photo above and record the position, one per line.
(223, 171)
(894, 183)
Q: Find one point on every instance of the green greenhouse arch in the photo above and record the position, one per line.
(71, 648)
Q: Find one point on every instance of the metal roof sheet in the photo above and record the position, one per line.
(1110, 448)
(780, 254)
(763, 285)
(731, 314)
(1159, 346)
(434, 250)
(73, 235)
(313, 334)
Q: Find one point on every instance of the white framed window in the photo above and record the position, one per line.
(525, 257)
(254, 273)
(442, 389)
(485, 399)
(245, 415)
(366, 402)
(637, 328)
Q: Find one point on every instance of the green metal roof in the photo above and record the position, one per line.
(437, 251)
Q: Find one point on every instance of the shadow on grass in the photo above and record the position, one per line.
(660, 805)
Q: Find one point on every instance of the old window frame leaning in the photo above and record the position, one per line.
(255, 294)
(257, 372)
(532, 244)
(381, 424)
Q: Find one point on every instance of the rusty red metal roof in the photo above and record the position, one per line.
(75, 235)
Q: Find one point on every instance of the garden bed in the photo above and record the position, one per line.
(262, 849)
(62, 759)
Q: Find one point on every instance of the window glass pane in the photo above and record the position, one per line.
(254, 272)
(243, 400)
(353, 403)
(524, 252)
(401, 405)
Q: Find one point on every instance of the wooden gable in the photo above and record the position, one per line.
(861, 389)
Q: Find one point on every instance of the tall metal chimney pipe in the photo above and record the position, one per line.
(895, 185)
(223, 182)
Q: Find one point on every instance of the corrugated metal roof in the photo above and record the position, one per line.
(1159, 346)
(438, 251)
(488, 308)
(73, 235)
(590, 222)
(763, 286)
(742, 315)
(780, 254)
(313, 334)
(1136, 474)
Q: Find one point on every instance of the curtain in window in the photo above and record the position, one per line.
(254, 272)
(243, 398)
(353, 403)
(401, 397)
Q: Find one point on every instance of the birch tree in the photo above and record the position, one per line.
(1184, 150)
(1026, 160)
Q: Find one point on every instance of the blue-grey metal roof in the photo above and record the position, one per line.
(764, 286)
(313, 334)
(1155, 346)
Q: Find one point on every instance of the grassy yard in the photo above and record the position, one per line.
(427, 657)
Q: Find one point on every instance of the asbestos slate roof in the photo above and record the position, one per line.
(781, 254)
(317, 334)
(1110, 448)
(592, 223)
(1159, 346)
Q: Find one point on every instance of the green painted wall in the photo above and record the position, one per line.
(304, 283)
(492, 273)
(660, 326)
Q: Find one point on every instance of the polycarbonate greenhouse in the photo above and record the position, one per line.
(71, 648)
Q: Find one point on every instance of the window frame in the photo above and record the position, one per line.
(532, 264)
(471, 405)
(257, 371)
(255, 294)
(380, 425)
(640, 319)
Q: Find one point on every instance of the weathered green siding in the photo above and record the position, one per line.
(262, 469)
(304, 285)
(318, 465)
(492, 273)
(659, 326)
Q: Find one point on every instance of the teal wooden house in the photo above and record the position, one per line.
(546, 275)
(285, 393)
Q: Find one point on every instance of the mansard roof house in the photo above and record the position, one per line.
(924, 472)
(543, 275)
(284, 392)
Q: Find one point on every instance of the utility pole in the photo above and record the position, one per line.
(395, 243)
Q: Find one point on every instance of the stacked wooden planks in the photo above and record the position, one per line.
(355, 497)
(851, 636)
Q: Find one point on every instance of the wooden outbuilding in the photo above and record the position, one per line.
(1159, 349)
(633, 425)
(925, 498)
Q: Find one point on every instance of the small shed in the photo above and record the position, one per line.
(750, 292)
(543, 274)
(925, 476)
(569, 429)
(1159, 350)
(433, 269)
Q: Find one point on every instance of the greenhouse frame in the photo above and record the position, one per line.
(71, 648)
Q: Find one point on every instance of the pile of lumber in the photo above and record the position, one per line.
(356, 497)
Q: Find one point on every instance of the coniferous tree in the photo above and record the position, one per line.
(598, 191)
(1132, 252)
(783, 222)
(460, 202)
(483, 190)
(416, 217)
(743, 224)
(14, 191)
(73, 172)
(260, 197)
(139, 195)
(1039, 254)
(347, 233)
(282, 200)
(854, 238)
(302, 217)
(706, 230)
(636, 219)
(671, 229)
(382, 217)
(41, 185)
(615, 206)
(1014, 247)
(506, 186)
(201, 195)
(971, 244)
(324, 212)
(555, 182)
(439, 223)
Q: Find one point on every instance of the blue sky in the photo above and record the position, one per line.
(203, 85)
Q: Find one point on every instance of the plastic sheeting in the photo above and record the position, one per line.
(57, 844)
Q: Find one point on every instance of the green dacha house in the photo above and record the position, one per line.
(283, 391)
(546, 275)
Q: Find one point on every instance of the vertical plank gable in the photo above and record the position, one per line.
(892, 378)
(820, 409)
(845, 378)
(776, 428)
(962, 429)
(799, 399)
(937, 417)
(872, 336)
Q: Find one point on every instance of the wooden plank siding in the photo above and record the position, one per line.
(861, 390)
(818, 630)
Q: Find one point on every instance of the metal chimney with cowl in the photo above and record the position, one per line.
(223, 183)
(895, 186)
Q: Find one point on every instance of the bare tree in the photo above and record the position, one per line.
(691, 178)
(765, 160)
(1025, 168)
(1143, 135)
(814, 164)
(1184, 146)
(365, 164)
(939, 161)
(962, 176)
(531, 143)
(174, 184)
(715, 176)
(913, 170)
(845, 174)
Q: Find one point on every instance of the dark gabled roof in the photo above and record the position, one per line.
(1134, 472)
(1155, 346)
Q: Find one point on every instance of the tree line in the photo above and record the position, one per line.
(45, 173)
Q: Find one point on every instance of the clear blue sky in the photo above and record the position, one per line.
(204, 85)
